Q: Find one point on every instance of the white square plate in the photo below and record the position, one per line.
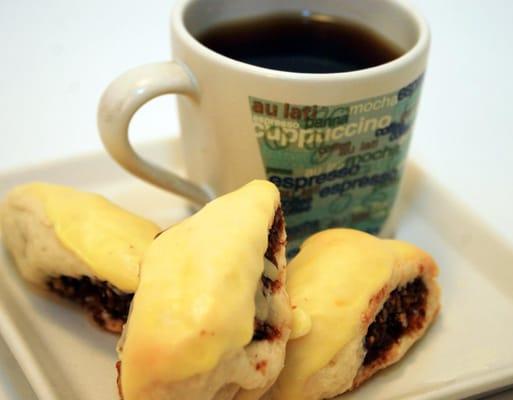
(469, 350)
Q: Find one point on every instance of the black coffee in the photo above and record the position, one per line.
(294, 42)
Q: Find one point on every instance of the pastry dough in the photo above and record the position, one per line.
(211, 317)
(359, 303)
(78, 245)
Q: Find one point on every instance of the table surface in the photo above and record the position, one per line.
(58, 56)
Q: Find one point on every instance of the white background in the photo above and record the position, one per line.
(57, 56)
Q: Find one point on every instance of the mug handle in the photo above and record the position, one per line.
(118, 104)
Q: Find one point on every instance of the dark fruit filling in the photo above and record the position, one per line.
(107, 304)
(263, 330)
(403, 312)
(273, 238)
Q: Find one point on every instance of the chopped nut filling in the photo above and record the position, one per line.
(403, 312)
(107, 305)
(263, 330)
(273, 238)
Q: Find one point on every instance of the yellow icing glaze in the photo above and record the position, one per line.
(196, 298)
(331, 280)
(301, 323)
(108, 239)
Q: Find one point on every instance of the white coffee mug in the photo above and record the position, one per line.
(333, 143)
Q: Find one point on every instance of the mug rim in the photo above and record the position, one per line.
(411, 55)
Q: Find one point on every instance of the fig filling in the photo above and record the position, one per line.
(263, 330)
(402, 313)
(107, 305)
(273, 237)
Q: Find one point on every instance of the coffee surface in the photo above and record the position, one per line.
(294, 42)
